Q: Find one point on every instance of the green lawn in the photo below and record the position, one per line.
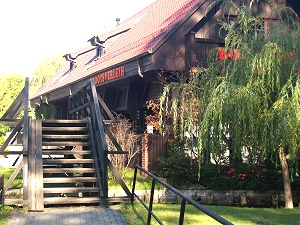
(17, 183)
(169, 215)
(4, 214)
(136, 214)
(142, 183)
(3, 217)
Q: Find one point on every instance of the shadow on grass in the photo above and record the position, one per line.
(139, 213)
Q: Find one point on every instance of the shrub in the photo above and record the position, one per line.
(179, 168)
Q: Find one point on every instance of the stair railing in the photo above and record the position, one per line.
(99, 136)
(85, 102)
(184, 200)
(20, 127)
(83, 105)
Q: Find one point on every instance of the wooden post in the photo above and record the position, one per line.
(2, 189)
(39, 194)
(25, 144)
(31, 166)
(99, 125)
(35, 167)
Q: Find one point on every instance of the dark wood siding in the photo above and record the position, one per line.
(207, 27)
(203, 48)
(170, 53)
(174, 54)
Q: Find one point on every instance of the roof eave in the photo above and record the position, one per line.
(35, 99)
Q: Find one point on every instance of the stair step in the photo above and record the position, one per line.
(58, 136)
(67, 161)
(120, 199)
(65, 136)
(15, 145)
(13, 201)
(66, 152)
(55, 180)
(71, 200)
(111, 121)
(65, 129)
(70, 190)
(66, 143)
(68, 170)
(66, 122)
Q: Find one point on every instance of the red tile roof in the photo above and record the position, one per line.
(144, 30)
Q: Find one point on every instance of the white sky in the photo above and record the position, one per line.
(33, 29)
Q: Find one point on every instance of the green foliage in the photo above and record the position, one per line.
(3, 130)
(179, 168)
(296, 183)
(45, 111)
(127, 139)
(254, 99)
(222, 183)
(10, 87)
(41, 112)
(45, 70)
(17, 183)
(4, 214)
(242, 178)
(42, 73)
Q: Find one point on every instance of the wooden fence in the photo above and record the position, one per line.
(153, 147)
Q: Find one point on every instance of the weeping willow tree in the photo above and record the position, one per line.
(248, 97)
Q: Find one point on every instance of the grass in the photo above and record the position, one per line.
(136, 214)
(17, 183)
(4, 214)
(142, 183)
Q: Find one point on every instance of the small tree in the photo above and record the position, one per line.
(42, 73)
(45, 70)
(251, 95)
(10, 87)
(127, 139)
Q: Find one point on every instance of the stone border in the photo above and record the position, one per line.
(271, 198)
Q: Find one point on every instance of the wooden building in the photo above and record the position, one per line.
(166, 37)
(120, 69)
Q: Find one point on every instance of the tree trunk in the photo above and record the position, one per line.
(286, 179)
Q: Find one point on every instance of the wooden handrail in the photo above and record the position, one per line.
(86, 100)
(16, 130)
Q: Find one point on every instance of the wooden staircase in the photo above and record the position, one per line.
(63, 161)
(69, 168)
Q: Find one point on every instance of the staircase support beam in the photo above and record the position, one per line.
(35, 167)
